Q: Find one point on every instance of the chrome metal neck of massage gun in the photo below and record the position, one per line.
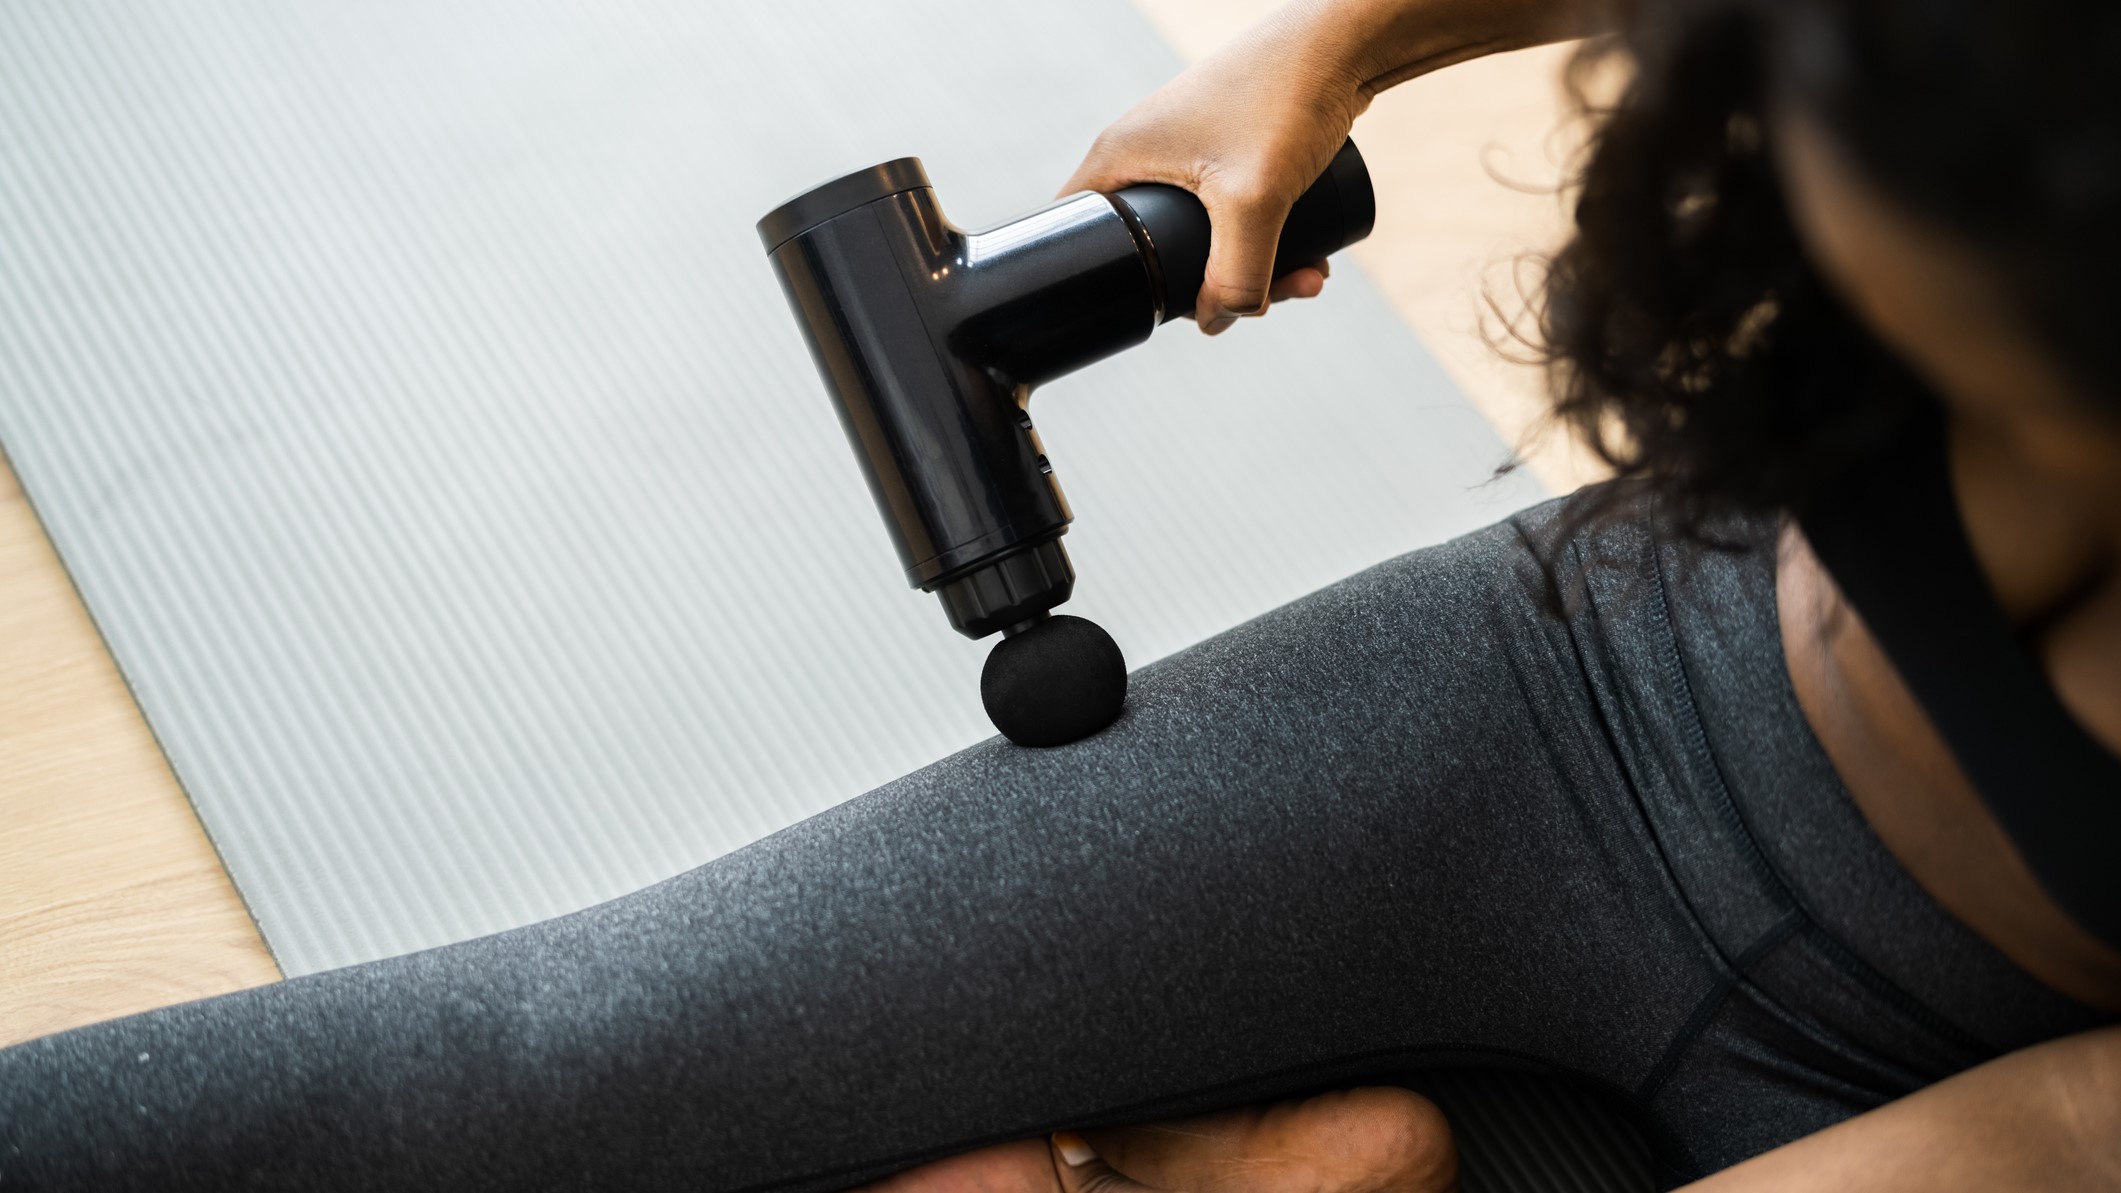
(930, 339)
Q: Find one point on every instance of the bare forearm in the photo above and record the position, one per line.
(1381, 43)
(2048, 1117)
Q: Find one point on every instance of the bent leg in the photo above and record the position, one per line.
(1391, 823)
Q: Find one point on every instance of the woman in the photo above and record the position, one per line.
(1775, 788)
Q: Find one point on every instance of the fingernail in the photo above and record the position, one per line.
(1072, 1148)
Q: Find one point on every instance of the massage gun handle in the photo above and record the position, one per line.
(1337, 211)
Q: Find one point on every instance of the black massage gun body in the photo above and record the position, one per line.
(931, 339)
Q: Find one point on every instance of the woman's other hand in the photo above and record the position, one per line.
(1377, 1139)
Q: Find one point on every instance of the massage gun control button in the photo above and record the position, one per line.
(1045, 465)
(1031, 437)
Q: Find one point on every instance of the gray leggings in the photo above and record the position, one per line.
(1422, 817)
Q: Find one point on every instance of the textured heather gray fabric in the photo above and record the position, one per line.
(1416, 818)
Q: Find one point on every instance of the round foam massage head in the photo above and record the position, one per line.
(1059, 681)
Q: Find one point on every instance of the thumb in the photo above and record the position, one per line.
(1242, 234)
(1080, 1170)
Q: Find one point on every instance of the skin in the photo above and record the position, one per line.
(1250, 127)
(2036, 467)
(1373, 1140)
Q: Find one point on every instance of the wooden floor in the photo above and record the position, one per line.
(112, 899)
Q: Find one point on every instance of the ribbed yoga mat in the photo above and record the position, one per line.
(407, 392)
(1528, 1133)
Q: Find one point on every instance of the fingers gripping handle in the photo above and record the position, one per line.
(1337, 211)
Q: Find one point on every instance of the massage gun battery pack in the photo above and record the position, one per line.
(930, 340)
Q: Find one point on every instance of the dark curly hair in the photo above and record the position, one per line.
(1690, 341)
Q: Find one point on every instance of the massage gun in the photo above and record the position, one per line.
(930, 340)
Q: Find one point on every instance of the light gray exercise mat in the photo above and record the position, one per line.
(409, 396)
